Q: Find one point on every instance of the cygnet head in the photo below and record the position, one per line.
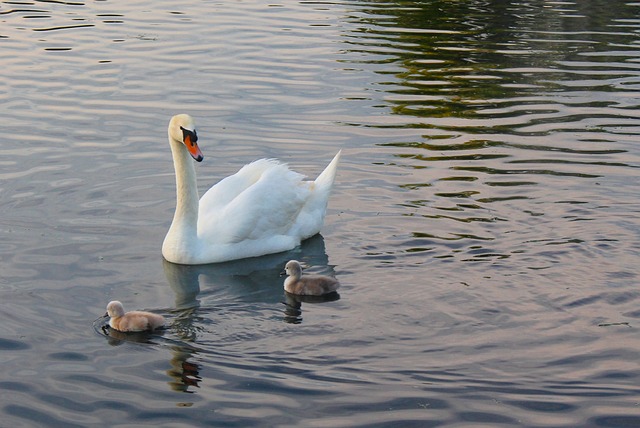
(293, 269)
(182, 130)
(115, 309)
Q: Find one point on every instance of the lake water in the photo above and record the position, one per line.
(485, 222)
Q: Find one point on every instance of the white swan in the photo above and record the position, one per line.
(264, 208)
(307, 285)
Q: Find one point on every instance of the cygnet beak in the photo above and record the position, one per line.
(283, 273)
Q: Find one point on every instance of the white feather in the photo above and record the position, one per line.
(264, 208)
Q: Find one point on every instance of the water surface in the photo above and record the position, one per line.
(484, 224)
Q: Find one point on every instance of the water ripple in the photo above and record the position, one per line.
(484, 224)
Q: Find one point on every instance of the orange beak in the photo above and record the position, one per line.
(193, 148)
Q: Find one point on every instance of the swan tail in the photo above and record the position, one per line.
(311, 217)
(326, 178)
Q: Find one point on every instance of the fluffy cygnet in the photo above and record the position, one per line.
(132, 321)
(309, 285)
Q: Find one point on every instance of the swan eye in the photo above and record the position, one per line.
(192, 136)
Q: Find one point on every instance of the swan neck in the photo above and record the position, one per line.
(186, 187)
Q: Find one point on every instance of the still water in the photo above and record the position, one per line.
(485, 222)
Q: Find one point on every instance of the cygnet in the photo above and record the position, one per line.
(132, 321)
(309, 285)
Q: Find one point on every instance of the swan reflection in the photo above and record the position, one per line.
(255, 280)
(206, 296)
(184, 372)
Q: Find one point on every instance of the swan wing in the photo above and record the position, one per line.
(261, 202)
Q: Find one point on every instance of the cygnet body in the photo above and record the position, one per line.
(132, 321)
(308, 285)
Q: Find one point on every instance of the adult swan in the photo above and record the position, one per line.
(264, 208)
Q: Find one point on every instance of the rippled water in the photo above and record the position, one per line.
(485, 224)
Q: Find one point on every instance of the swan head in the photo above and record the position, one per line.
(115, 309)
(182, 130)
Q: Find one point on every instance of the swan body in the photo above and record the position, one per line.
(307, 285)
(264, 208)
(132, 321)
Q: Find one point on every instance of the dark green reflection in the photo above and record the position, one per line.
(497, 104)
